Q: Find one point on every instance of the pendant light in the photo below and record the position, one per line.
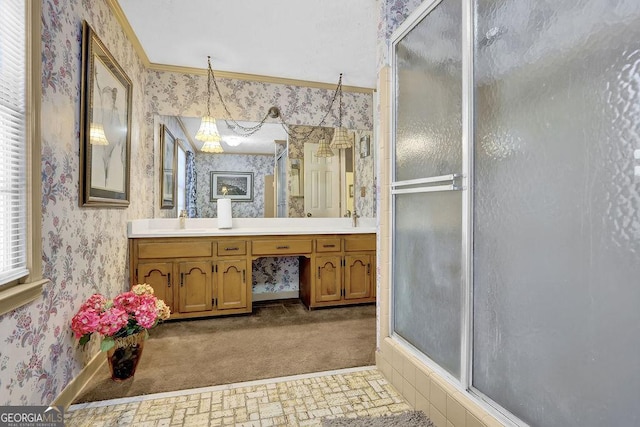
(97, 135)
(341, 137)
(323, 149)
(208, 131)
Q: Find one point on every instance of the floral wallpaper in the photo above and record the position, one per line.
(190, 190)
(278, 274)
(365, 175)
(84, 250)
(260, 165)
(177, 94)
(392, 14)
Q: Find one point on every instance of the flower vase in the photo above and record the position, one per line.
(123, 358)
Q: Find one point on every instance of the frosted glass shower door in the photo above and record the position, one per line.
(556, 328)
(427, 206)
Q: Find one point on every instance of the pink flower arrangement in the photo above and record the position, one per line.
(127, 314)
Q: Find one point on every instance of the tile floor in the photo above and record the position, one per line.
(302, 400)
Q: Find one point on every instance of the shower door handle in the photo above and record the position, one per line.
(425, 185)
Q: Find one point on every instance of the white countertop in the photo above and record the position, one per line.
(170, 227)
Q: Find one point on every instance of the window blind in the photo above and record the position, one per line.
(13, 144)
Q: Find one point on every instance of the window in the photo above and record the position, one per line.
(20, 258)
(181, 179)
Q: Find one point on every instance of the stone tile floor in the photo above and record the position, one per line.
(302, 400)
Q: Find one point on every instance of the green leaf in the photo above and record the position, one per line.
(84, 339)
(107, 344)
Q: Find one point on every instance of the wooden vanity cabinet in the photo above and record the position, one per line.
(194, 288)
(358, 273)
(232, 288)
(340, 272)
(211, 276)
(195, 277)
(158, 275)
(232, 284)
(328, 278)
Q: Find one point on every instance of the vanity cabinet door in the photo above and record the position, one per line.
(328, 278)
(232, 281)
(158, 276)
(357, 276)
(194, 287)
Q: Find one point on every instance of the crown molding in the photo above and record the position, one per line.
(131, 35)
(128, 31)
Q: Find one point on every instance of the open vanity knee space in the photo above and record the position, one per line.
(203, 271)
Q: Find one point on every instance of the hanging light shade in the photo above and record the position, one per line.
(97, 135)
(323, 149)
(341, 138)
(340, 134)
(212, 147)
(208, 131)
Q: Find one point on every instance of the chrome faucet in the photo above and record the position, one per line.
(354, 219)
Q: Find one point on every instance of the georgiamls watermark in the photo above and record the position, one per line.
(31, 416)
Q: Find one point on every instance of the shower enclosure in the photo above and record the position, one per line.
(516, 204)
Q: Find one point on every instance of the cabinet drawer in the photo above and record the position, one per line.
(175, 249)
(281, 247)
(328, 245)
(232, 247)
(360, 243)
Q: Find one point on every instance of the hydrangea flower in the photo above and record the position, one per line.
(129, 313)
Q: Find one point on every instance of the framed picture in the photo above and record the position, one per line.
(168, 168)
(105, 126)
(365, 146)
(232, 185)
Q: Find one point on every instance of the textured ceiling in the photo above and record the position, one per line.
(259, 143)
(294, 39)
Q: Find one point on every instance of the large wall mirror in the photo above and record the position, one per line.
(288, 180)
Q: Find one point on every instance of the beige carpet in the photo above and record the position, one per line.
(278, 339)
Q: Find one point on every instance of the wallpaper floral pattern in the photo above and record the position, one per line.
(273, 275)
(85, 250)
(365, 176)
(260, 165)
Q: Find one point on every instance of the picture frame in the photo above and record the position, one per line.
(105, 126)
(238, 185)
(365, 146)
(168, 168)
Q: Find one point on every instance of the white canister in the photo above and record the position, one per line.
(224, 213)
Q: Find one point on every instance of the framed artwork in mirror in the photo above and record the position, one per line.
(105, 126)
(232, 185)
(168, 167)
(365, 146)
